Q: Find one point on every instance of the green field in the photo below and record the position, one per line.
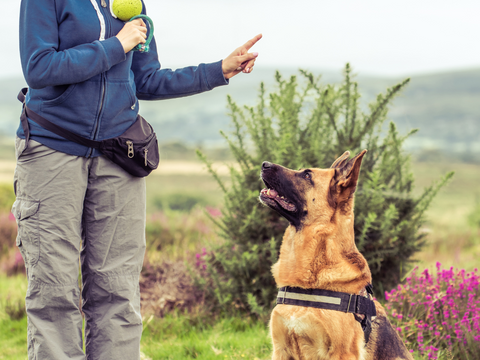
(450, 240)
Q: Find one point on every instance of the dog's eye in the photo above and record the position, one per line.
(307, 175)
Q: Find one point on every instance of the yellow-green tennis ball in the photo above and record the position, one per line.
(126, 9)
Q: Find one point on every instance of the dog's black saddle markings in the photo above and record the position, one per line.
(332, 300)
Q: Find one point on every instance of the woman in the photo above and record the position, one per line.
(77, 60)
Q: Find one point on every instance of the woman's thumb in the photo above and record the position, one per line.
(248, 56)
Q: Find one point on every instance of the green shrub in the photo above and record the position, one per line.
(14, 308)
(310, 125)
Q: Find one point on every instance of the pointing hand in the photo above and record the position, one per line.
(240, 59)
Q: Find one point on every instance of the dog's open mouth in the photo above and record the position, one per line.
(271, 197)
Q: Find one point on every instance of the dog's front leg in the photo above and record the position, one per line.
(279, 335)
(280, 355)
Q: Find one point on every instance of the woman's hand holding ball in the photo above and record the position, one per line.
(132, 34)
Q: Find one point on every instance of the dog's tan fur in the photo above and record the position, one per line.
(319, 252)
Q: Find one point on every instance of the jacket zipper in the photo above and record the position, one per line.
(100, 109)
(95, 133)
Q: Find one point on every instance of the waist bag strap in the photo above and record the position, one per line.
(58, 130)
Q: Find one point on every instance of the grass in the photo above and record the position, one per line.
(176, 336)
(13, 332)
(13, 339)
(182, 337)
(450, 239)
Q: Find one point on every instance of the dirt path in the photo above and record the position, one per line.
(189, 167)
(167, 167)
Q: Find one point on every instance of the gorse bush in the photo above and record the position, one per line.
(438, 316)
(302, 125)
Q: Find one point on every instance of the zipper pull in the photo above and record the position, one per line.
(130, 149)
(146, 152)
(104, 3)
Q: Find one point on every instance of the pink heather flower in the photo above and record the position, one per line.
(441, 307)
(214, 212)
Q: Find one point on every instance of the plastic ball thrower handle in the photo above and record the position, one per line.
(144, 47)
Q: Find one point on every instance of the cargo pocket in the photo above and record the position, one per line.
(26, 213)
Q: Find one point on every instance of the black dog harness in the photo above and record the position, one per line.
(332, 300)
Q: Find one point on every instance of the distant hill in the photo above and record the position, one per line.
(444, 106)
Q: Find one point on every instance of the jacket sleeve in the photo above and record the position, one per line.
(44, 65)
(154, 83)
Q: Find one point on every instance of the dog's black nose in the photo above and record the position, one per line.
(266, 165)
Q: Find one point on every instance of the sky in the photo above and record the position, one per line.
(378, 37)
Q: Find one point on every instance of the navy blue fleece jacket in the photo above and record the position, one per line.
(81, 79)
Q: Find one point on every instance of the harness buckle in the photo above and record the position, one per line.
(284, 294)
(349, 301)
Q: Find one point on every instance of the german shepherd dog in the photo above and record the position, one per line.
(318, 254)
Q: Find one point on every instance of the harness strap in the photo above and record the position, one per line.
(332, 300)
(48, 125)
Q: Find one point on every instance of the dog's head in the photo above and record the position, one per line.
(310, 195)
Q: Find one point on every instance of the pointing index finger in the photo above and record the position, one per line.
(252, 41)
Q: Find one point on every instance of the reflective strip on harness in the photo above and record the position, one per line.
(306, 297)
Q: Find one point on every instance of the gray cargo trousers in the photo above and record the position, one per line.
(70, 208)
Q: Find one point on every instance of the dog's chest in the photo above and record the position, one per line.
(298, 325)
(317, 334)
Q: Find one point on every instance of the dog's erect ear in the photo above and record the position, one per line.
(348, 171)
(341, 160)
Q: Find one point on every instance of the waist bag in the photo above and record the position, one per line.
(135, 151)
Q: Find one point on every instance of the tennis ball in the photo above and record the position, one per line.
(126, 9)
